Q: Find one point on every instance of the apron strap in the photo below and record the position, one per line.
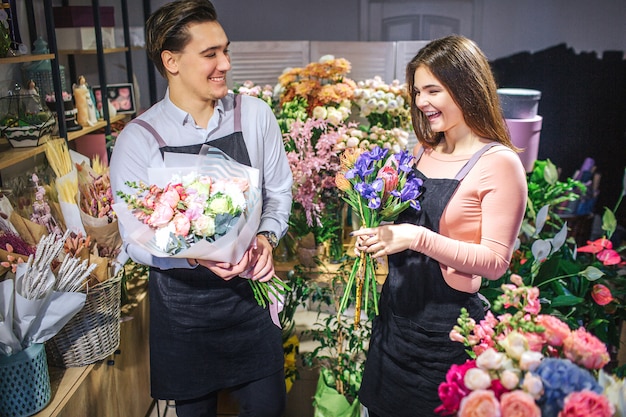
(470, 164)
(152, 130)
(161, 142)
(237, 108)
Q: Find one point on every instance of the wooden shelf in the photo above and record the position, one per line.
(91, 51)
(25, 58)
(10, 156)
(64, 383)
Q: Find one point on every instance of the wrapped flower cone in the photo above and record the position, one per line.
(29, 231)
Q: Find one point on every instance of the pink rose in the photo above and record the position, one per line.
(161, 216)
(586, 404)
(585, 349)
(170, 196)
(601, 294)
(519, 404)
(481, 403)
(556, 330)
(181, 224)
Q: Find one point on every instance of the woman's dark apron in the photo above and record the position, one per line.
(410, 350)
(206, 333)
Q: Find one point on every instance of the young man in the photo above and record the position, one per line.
(207, 332)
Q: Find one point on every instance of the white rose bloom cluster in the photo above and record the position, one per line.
(375, 96)
(394, 139)
(333, 115)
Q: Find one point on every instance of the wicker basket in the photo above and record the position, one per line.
(94, 332)
(24, 382)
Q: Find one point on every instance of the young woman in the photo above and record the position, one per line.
(472, 206)
(207, 332)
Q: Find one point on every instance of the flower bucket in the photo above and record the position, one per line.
(94, 332)
(329, 403)
(24, 382)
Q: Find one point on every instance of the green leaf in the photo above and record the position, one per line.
(566, 301)
(609, 223)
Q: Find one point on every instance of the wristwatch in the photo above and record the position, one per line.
(271, 237)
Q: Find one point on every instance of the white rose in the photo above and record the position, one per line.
(476, 378)
(529, 360)
(352, 142)
(320, 112)
(509, 379)
(514, 344)
(204, 225)
(532, 385)
(490, 359)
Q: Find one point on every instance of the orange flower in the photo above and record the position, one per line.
(342, 183)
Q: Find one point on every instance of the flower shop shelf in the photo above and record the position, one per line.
(10, 156)
(25, 58)
(91, 51)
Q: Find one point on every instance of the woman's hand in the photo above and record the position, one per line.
(385, 240)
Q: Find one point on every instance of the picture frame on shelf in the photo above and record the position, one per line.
(122, 97)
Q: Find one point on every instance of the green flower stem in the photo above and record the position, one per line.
(264, 290)
(556, 279)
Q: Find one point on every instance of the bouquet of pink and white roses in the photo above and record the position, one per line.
(208, 211)
(189, 209)
(528, 364)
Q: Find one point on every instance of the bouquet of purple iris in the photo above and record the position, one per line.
(378, 186)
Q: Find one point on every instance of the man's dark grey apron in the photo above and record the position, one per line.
(206, 333)
(410, 350)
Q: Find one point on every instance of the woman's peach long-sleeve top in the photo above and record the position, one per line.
(478, 228)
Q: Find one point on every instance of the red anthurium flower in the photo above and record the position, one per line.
(603, 249)
(609, 257)
(596, 246)
(601, 294)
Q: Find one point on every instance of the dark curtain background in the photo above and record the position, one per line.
(583, 105)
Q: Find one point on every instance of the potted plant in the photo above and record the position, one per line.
(581, 286)
(25, 122)
(339, 354)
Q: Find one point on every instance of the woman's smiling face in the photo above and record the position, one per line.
(434, 100)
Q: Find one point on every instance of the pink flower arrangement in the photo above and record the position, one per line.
(524, 363)
(314, 161)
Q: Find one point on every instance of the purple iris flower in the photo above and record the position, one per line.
(404, 158)
(377, 153)
(363, 167)
(370, 192)
(411, 190)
